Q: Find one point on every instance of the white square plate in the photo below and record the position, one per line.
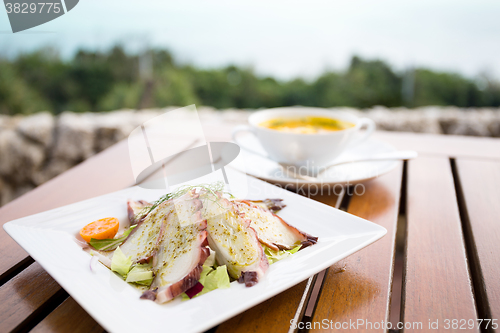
(49, 238)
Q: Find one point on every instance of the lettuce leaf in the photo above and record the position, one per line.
(211, 258)
(140, 274)
(204, 273)
(216, 279)
(120, 263)
(109, 244)
(274, 256)
(212, 279)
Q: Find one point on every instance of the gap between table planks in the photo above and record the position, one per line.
(435, 250)
(68, 317)
(26, 296)
(479, 194)
(360, 285)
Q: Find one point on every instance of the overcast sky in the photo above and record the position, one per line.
(282, 38)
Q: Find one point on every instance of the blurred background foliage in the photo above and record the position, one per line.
(111, 80)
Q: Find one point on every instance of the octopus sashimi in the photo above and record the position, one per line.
(271, 229)
(176, 237)
(181, 253)
(234, 241)
(143, 241)
(146, 237)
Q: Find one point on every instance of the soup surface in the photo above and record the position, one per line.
(306, 125)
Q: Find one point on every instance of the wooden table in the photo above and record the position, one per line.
(440, 260)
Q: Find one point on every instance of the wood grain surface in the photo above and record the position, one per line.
(443, 145)
(436, 277)
(359, 287)
(480, 190)
(68, 317)
(24, 296)
(274, 315)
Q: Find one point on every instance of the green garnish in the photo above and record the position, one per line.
(273, 256)
(211, 188)
(109, 244)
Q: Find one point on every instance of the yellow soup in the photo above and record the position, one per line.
(306, 125)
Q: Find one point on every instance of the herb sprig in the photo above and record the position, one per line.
(212, 188)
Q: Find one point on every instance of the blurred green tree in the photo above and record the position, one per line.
(432, 88)
(16, 96)
(122, 96)
(172, 87)
(45, 73)
(115, 79)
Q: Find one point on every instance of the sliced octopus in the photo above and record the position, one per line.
(234, 241)
(174, 238)
(271, 229)
(144, 239)
(181, 252)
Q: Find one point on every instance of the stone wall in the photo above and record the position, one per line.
(36, 148)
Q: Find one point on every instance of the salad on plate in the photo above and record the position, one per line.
(194, 240)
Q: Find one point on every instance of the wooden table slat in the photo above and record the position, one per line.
(68, 317)
(24, 296)
(360, 285)
(480, 188)
(273, 315)
(436, 277)
(443, 145)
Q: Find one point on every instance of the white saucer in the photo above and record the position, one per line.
(345, 174)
